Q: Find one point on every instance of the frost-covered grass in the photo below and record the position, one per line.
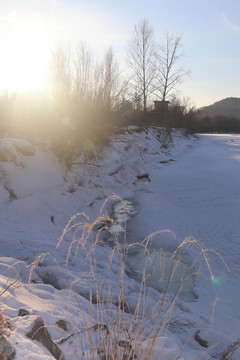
(120, 327)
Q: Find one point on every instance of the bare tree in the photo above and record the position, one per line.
(61, 74)
(83, 86)
(141, 59)
(84, 80)
(109, 90)
(169, 74)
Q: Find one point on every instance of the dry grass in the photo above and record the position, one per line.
(130, 332)
(121, 330)
(230, 350)
(12, 281)
(5, 326)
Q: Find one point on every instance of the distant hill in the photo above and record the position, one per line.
(229, 106)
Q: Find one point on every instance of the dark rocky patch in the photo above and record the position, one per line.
(201, 341)
(62, 324)
(143, 177)
(7, 350)
(40, 333)
(23, 312)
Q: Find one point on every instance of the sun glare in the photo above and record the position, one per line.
(24, 57)
(24, 69)
(29, 35)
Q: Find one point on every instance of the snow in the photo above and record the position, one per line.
(193, 191)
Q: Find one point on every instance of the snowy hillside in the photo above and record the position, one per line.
(64, 285)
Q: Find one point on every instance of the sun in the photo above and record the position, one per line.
(25, 68)
(25, 56)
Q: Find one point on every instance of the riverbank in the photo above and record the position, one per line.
(176, 189)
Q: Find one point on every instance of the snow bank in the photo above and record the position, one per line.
(38, 196)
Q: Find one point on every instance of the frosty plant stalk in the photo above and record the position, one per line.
(127, 319)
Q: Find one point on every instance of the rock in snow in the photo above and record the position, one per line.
(40, 333)
(7, 350)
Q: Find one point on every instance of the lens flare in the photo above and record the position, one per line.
(217, 280)
(66, 121)
(88, 146)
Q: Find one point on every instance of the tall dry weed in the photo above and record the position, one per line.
(129, 331)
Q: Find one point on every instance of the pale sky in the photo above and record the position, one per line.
(210, 30)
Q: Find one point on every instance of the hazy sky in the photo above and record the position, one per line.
(210, 30)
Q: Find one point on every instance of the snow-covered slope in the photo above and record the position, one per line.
(38, 196)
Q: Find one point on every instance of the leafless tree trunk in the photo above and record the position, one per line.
(141, 59)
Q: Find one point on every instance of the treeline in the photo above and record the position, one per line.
(88, 95)
(216, 123)
(83, 95)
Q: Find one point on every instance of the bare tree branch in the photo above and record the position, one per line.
(169, 75)
(141, 60)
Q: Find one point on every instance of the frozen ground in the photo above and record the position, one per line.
(196, 195)
(199, 196)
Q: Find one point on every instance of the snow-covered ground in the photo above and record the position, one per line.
(192, 189)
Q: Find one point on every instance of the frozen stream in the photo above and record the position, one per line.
(156, 263)
(199, 195)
